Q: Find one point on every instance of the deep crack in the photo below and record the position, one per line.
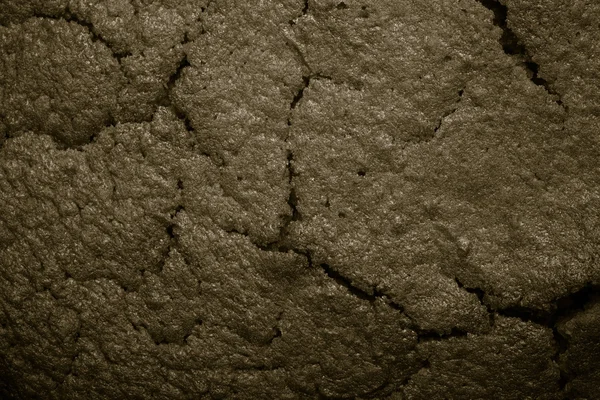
(347, 283)
(514, 47)
(282, 243)
(371, 295)
(428, 336)
(166, 100)
(300, 93)
(561, 309)
(197, 322)
(305, 9)
(276, 329)
(306, 83)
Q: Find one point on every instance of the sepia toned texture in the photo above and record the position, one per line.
(313, 199)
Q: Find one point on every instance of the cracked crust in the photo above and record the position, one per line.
(308, 199)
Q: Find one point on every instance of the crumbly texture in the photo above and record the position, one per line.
(299, 199)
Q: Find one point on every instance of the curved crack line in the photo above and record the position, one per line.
(69, 16)
(513, 46)
(167, 101)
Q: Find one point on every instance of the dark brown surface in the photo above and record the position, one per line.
(219, 199)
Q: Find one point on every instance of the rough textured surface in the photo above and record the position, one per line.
(299, 199)
(55, 80)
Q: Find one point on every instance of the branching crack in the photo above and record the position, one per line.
(300, 93)
(559, 310)
(282, 244)
(514, 47)
(167, 101)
